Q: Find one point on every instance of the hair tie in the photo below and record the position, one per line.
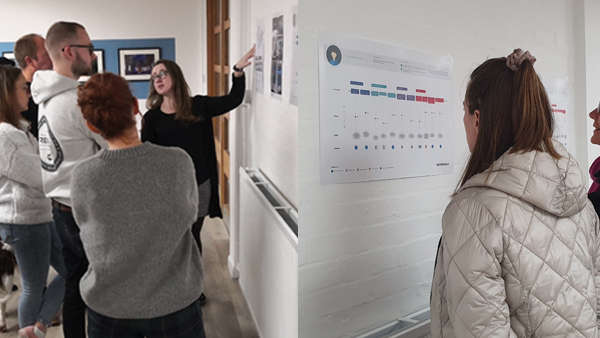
(514, 60)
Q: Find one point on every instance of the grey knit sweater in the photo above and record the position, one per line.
(135, 208)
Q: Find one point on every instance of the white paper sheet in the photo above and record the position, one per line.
(259, 57)
(277, 57)
(558, 94)
(294, 75)
(384, 111)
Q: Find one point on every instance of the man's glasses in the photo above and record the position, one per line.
(89, 47)
(161, 75)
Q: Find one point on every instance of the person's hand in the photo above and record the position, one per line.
(245, 60)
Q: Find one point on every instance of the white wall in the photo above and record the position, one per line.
(264, 130)
(367, 250)
(268, 264)
(264, 136)
(117, 19)
(271, 128)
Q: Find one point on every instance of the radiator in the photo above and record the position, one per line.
(415, 325)
(268, 263)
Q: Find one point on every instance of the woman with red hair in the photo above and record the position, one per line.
(135, 204)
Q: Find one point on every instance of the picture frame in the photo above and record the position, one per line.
(11, 56)
(97, 65)
(136, 64)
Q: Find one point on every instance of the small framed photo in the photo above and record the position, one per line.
(136, 64)
(97, 65)
(11, 56)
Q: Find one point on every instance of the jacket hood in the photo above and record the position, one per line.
(48, 83)
(556, 186)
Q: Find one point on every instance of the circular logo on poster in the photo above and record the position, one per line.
(334, 55)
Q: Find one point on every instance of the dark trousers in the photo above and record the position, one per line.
(76, 263)
(196, 228)
(203, 203)
(186, 323)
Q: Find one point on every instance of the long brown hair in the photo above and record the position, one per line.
(9, 107)
(181, 90)
(514, 111)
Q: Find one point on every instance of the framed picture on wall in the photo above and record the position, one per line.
(10, 56)
(136, 64)
(97, 65)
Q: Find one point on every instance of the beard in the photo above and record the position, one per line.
(79, 67)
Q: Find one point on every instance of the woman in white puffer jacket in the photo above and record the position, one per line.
(518, 254)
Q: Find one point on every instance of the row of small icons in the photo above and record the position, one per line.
(392, 134)
(419, 146)
(358, 169)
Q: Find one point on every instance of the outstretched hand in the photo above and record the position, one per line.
(245, 60)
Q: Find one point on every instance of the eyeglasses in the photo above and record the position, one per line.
(89, 47)
(25, 87)
(161, 75)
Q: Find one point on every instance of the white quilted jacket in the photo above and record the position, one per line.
(518, 253)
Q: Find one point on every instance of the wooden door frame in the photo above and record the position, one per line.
(220, 67)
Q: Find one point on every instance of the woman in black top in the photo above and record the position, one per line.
(177, 120)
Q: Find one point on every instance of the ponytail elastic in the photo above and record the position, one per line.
(514, 60)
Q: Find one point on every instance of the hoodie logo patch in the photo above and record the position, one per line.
(50, 152)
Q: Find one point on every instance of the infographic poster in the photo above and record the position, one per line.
(384, 111)
(277, 57)
(294, 77)
(259, 57)
(558, 95)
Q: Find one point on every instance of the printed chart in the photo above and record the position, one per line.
(384, 111)
(563, 119)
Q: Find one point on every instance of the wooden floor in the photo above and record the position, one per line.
(226, 314)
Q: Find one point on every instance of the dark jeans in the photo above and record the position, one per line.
(77, 264)
(186, 323)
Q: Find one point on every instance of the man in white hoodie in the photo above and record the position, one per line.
(64, 141)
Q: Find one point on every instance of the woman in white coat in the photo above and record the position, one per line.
(519, 242)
